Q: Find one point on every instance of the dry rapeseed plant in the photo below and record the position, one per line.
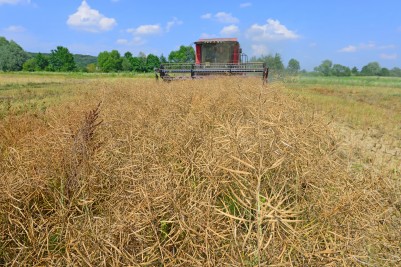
(220, 172)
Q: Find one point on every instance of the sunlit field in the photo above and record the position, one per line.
(366, 111)
(112, 170)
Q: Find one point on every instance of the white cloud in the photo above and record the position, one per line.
(224, 17)
(369, 45)
(230, 30)
(244, 5)
(259, 49)
(139, 33)
(90, 20)
(366, 46)
(136, 41)
(384, 47)
(172, 23)
(273, 30)
(349, 49)
(149, 29)
(389, 56)
(206, 16)
(14, 28)
(122, 41)
(14, 2)
(221, 17)
(154, 29)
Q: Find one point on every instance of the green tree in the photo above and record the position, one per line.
(12, 56)
(274, 63)
(325, 68)
(163, 59)
(30, 65)
(278, 63)
(139, 62)
(128, 55)
(354, 71)
(3, 41)
(61, 60)
(91, 67)
(127, 62)
(385, 72)
(293, 66)
(185, 54)
(395, 72)
(41, 62)
(340, 70)
(103, 61)
(371, 69)
(116, 60)
(152, 62)
(110, 61)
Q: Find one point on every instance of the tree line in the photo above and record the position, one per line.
(327, 68)
(14, 58)
(276, 65)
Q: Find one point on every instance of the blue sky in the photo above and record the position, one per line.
(348, 32)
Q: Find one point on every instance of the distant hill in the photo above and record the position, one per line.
(81, 60)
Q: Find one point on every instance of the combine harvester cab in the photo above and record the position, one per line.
(218, 56)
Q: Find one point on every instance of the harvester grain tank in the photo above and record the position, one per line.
(217, 56)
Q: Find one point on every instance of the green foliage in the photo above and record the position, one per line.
(395, 72)
(139, 63)
(3, 41)
(278, 63)
(12, 56)
(110, 61)
(61, 60)
(128, 55)
(385, 72)
(340, 70)
(274, 63)
(371, 69)
(325, 67)
(163, 59)
(186, 54)
(293, 66)
(126, 64)
(91, 68)
(41, 61)
(152, 62)
(82, 61)
(165, 229)
(30, 65)
(354, 71)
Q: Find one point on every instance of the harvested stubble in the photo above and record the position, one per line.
(195, 173)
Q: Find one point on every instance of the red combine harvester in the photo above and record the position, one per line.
(218, 56)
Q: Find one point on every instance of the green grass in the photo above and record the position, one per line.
(361, 102)
(366, 81)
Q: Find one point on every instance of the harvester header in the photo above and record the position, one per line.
(217, 56)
